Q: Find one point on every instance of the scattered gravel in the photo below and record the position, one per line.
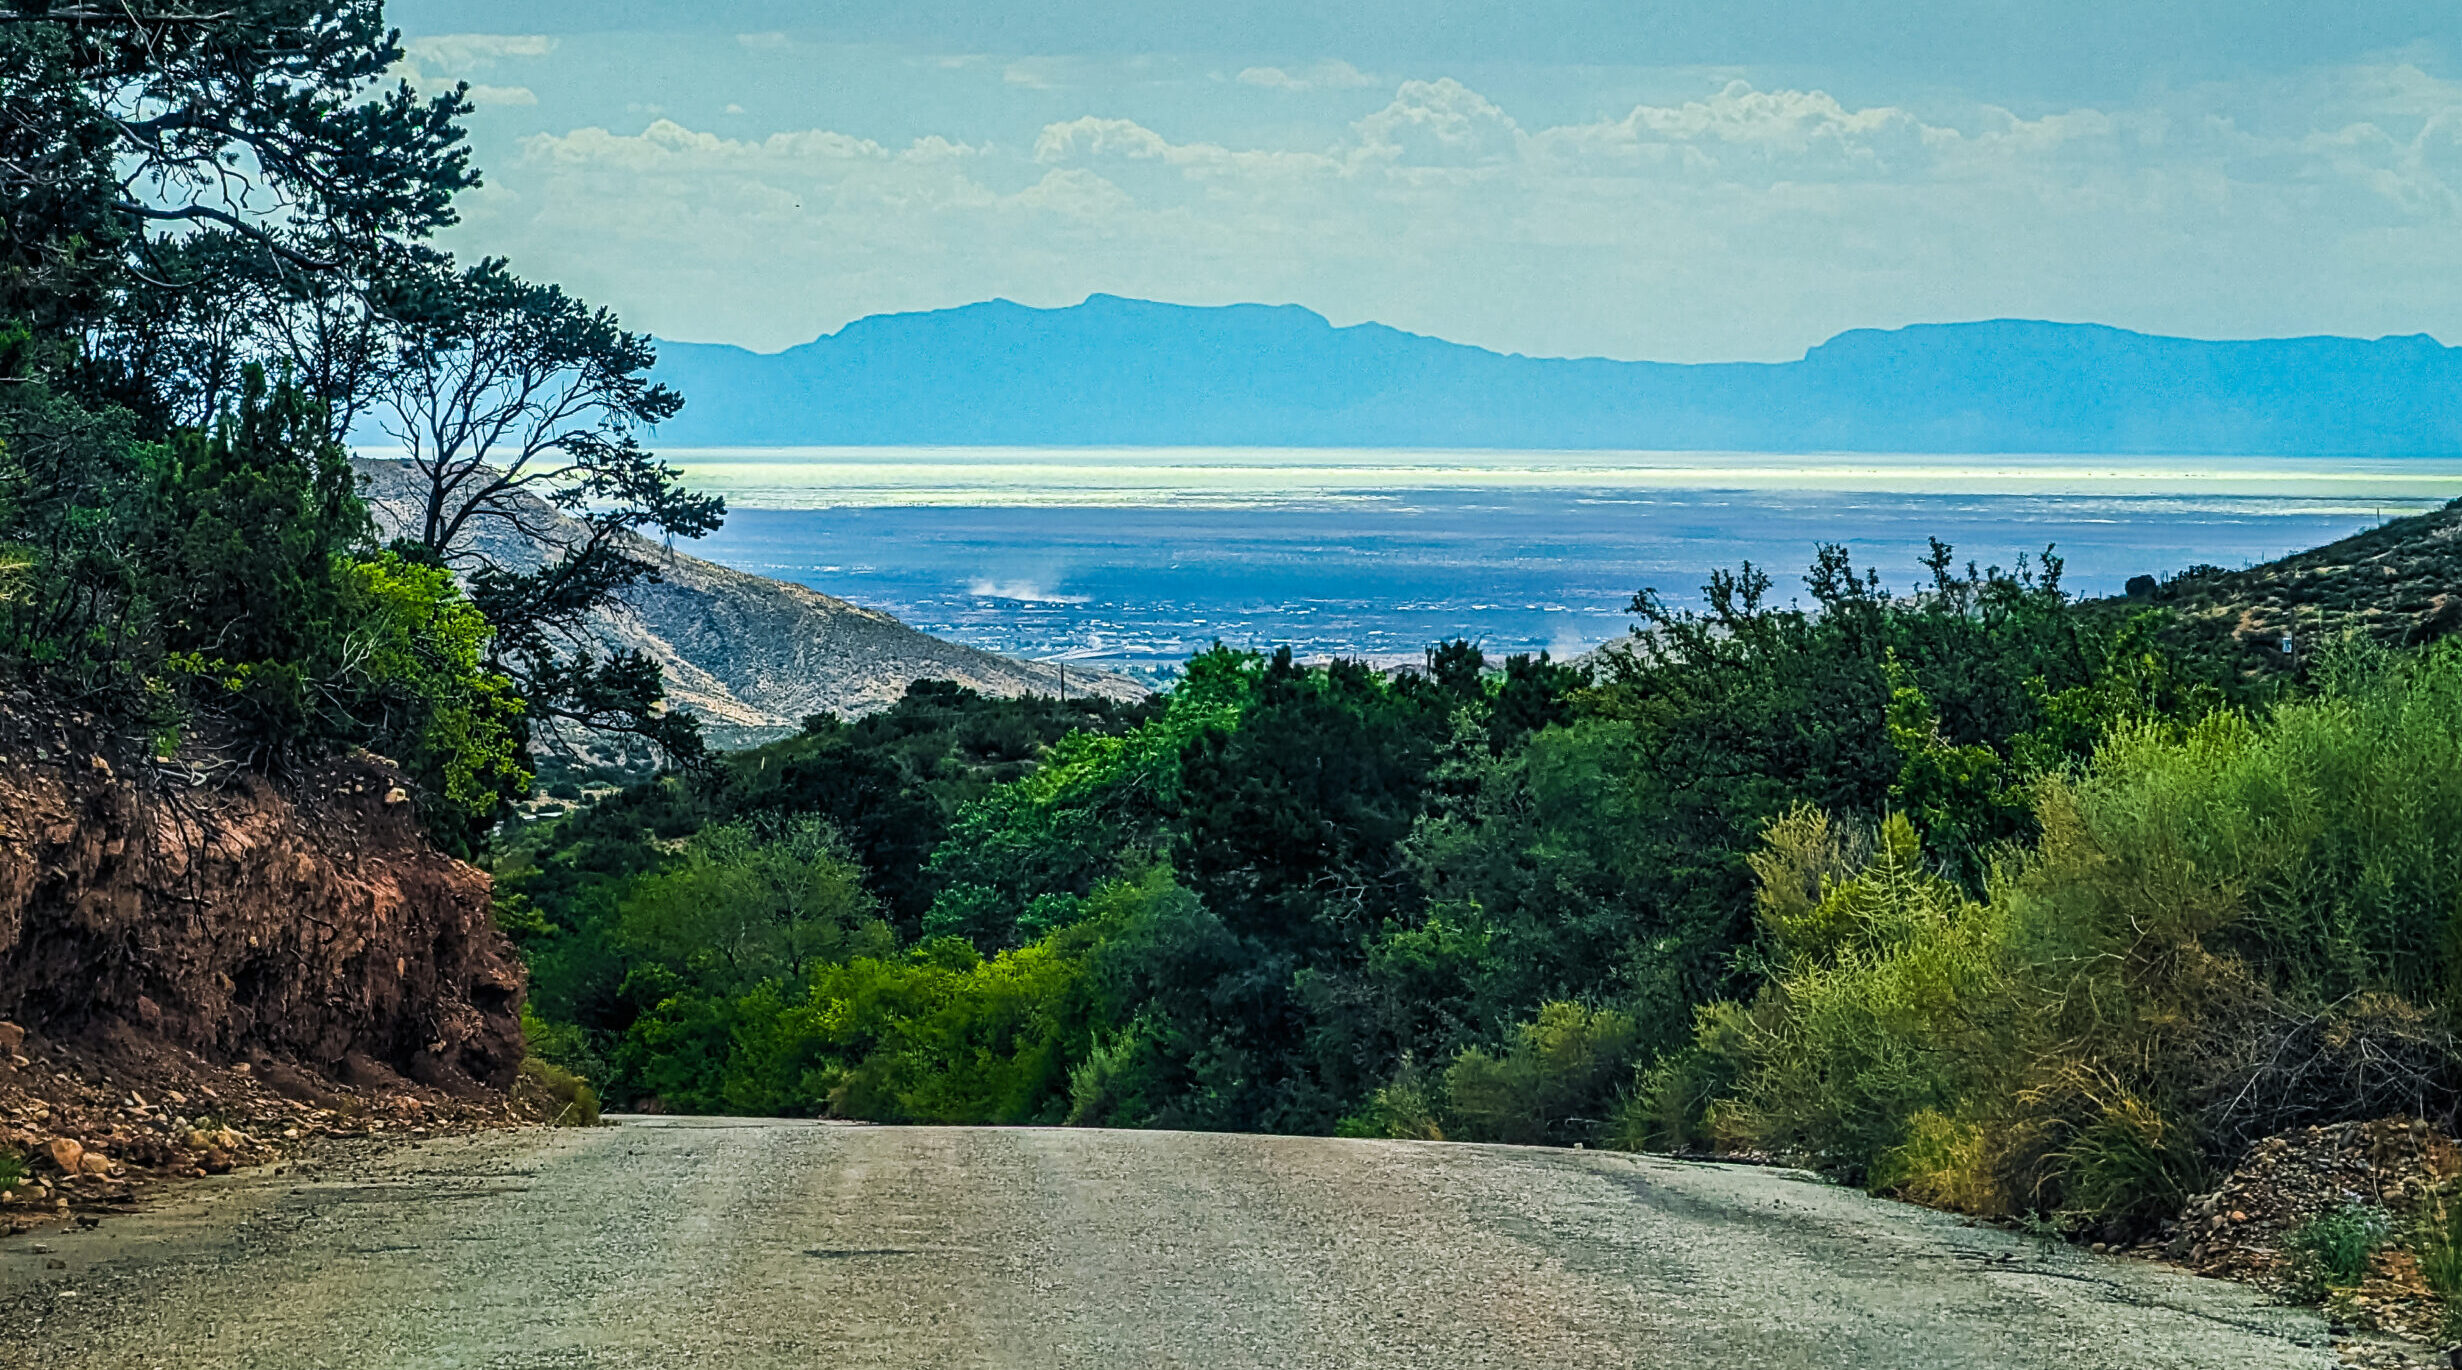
(101, 1122)
(2399, 1167)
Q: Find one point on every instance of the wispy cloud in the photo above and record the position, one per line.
(502, 96)
(464, 51)
(1330, 74)
(1035, 74)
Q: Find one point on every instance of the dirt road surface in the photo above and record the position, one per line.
(701, 1242)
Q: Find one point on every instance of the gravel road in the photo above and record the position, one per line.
(703, 1242)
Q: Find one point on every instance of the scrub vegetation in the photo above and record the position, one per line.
(1971, 892)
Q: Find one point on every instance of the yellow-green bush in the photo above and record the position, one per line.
(2222, 931)
(1881, 1002)
(555, 1094)
(1407, 1108)
(1560, 1078)
(1557, 1081)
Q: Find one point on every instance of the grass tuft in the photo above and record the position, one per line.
(2333, 1251)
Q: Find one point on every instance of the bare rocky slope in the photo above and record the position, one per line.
(754, 657)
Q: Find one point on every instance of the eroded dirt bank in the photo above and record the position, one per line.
(218, 913)
(704, 1242)
(199, 968)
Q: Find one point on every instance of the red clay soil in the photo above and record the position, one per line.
(200, 968)
(221, 914)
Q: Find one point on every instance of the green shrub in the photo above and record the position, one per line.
(747, 904)
(2436, 1241)
(1671, 1104)
(563, 1045)
(2333, 1251)
(12, 1170)
(1876, 1012)
(2224, 930)
(417, 674)
(556, 1094)
(1101, 1086)
(2126, 1166)
(1558, 1081)
(941, 1034)
(1406, 1108)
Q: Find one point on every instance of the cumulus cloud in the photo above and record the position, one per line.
(1440, 123)
(1745, 221)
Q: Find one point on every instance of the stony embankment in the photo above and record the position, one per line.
(201, 968)
(2399, 1179)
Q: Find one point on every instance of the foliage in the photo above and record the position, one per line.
(214, 259)
(2436, 1242)
(221, 580)
(562, 1045)
(745, 905)
(266, 128)
(1408, 1107)
(1884, 967)
(515, 403)
(2224, 930)
(938, 1035)
(1496, 903)
(417, 650)
(1559, 1079)
(1669, 1108)
(561, 1097)
(2333, 1250)
(1556, 1082)
(889, 784)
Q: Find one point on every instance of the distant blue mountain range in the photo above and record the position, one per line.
(1123, 372)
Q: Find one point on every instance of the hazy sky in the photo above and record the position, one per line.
(1630, 178)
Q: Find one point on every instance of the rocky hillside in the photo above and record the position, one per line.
(2398, 583)
(754, 657)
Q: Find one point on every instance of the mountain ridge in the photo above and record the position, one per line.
(1119, 372)
(750, 655)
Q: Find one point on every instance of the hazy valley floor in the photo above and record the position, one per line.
(698, 1242)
